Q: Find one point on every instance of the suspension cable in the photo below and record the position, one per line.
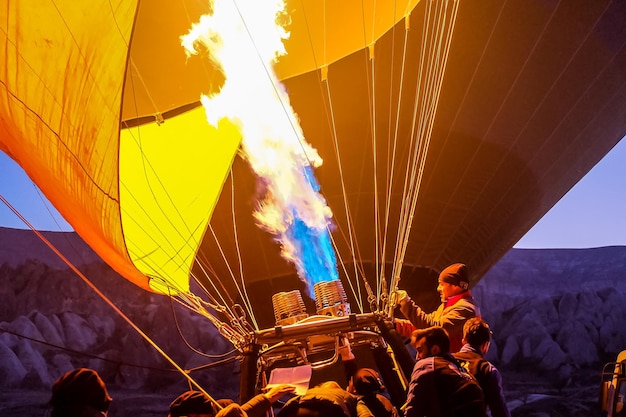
(433, 69)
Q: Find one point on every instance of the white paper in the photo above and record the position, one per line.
(299, 376)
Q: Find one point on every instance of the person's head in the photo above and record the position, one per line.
(225, 402)
(192, 404)
(432, 341)
(329, 384)
(325, 399)
(77, 391)
(476, 332)
(365, 381)
(452, 281)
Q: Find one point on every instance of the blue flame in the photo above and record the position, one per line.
(310, 177)
(313, 248)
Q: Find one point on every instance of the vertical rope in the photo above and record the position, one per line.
(431, 78)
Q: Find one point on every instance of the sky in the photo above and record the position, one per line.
(592, 214)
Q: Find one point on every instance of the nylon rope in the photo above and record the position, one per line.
(84, 354)
(393, 151)
(419, 154)
(244, 296)
(343, 191)
(330, 115)
(326, 87)
(184, 339)
(203, 264)
(108, 301)
(397, 266)
(423, 128)
(373, 118)
(389, 172)
(436, 95)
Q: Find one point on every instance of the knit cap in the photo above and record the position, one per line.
(455, 274)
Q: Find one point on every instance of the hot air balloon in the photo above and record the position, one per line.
(447, 129)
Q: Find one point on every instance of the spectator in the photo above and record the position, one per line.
(476, 339)
(259, 405)
(193, 404)
(325, 400)
(439, 387)
(197, 404)
(366, 384)
(457, 305)
(79, 393)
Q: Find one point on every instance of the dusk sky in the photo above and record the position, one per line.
(592, 214)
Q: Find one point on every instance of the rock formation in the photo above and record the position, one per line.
(556, 309)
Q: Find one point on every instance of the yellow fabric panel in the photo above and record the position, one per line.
(170, 178)
(60, 92)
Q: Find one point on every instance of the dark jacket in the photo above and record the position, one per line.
(440, 388)
(450, 315)
(325, 401)
(487, 376)
(379, 405)
(367, 387)
(257, 406)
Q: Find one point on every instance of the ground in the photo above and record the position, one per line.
(526, 394)
(530, 396)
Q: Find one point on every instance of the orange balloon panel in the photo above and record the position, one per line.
(140, 197)
(60, 100)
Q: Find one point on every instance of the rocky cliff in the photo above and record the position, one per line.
(556, 310)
